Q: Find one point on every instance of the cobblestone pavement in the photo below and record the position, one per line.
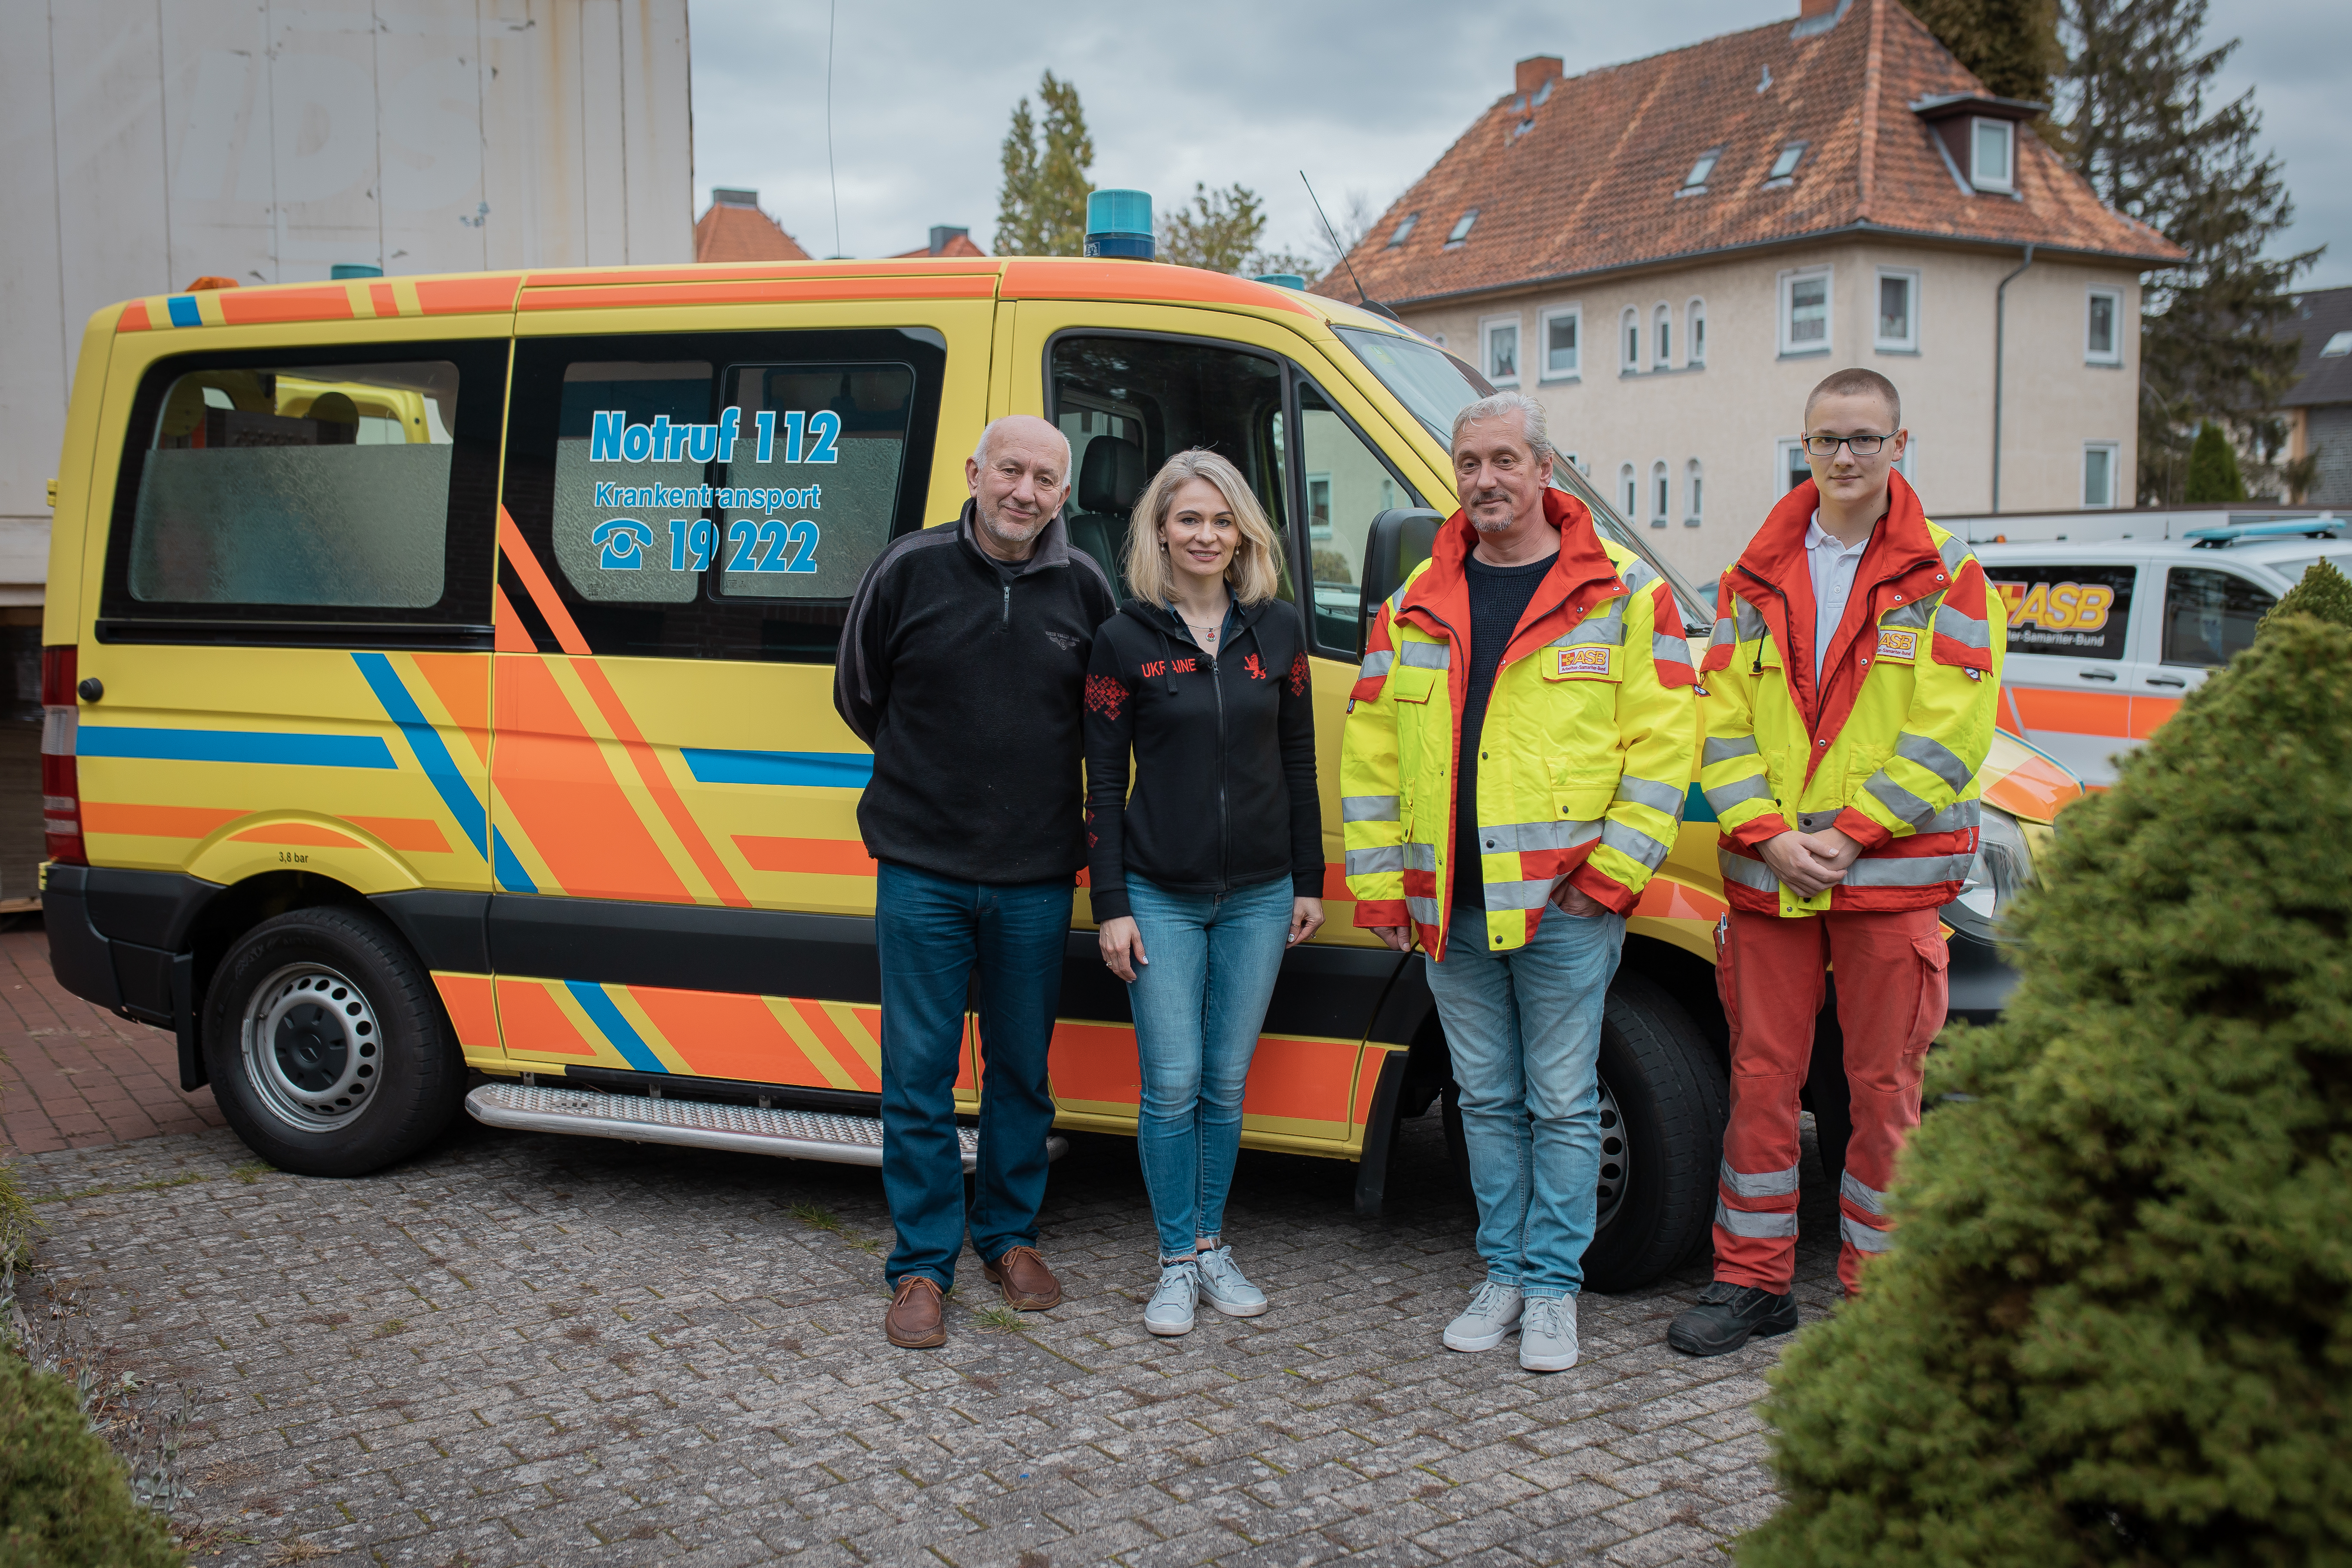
(524, 1349)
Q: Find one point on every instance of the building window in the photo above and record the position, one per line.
(1498, 338)
(1696, 312)
(1629, 498)
(2103, 338)
(1784, 167)
(1462, 228)
(1692, 486)
(1694, 183)
(1993, 147)
(2099, 473)
(1632, 338)
(1664, 319)
(1792, 468)
(1661, 495)
(1805, 311)
(1403, 230)
(1898, 311)
(1563, 331)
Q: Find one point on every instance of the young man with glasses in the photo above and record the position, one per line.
(1848, 699)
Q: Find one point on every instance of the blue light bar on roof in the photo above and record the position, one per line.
(1119, 224)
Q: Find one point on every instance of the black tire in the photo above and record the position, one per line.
(350, 1067)
(1671, 1099)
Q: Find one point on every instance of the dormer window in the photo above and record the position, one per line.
(1992, 146)
(1785, 167)
(1462, 228)
(1397, 235)
(1694, 182)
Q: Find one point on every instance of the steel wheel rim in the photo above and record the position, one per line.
(313, 1046)
(1616, 1163)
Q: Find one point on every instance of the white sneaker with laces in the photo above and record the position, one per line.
(1548, 1334)
(1170, 1311)
(1225, 1288)
(1492, 1313)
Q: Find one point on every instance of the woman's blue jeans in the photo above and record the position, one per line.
(1198, 1005)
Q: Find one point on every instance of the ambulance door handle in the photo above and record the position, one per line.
(2096, 673)
(2165, 680)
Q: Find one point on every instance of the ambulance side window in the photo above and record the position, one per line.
(1347, 483)
(328, 496)
(713, 495)
(2068, 612)
(2210, 615)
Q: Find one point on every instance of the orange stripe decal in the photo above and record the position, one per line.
(246, 307)
(1123, 280)
(531, 1023)
(2074, 712)
(155, 821)
(553, 777)
(729, 272)
(468, 295)
(724, 1034)
(756, 291)
(419, 835)
(385, 301)
(543, 592)
(133, 318)
(1095, 1061)
(2148, 712)
(508, 634)
(1669, 900)
(462, 682)
(1307, 1080)
(828, 1033)
(471, 1010)
(316, 833)
(808, 857)
(649, 769)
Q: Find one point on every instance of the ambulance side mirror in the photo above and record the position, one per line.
(1400, 539)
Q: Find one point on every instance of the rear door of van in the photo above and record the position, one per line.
(699, 469)
(2074, 672)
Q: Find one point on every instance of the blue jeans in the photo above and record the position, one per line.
(1198, 1005)
(1524, 1028)
(931, 933)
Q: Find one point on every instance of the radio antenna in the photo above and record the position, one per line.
(1337, 248)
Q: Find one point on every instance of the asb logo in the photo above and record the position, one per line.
(1900, 643)
(2059, 606)
(1573, 661)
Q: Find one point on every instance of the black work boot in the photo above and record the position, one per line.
(1727, 1315)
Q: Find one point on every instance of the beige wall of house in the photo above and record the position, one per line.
(1736, 414)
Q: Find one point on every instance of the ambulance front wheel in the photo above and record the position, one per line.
(326, 1045)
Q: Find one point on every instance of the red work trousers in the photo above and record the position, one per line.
(1892, 993)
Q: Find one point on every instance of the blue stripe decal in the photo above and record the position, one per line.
(235, 746)
(512, 878)
(818, 770)
(608, 1018)
(185, 312)
(1697, 809)
(431, 755)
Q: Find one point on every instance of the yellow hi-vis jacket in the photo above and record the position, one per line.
(1884, 742)
(1584, 757)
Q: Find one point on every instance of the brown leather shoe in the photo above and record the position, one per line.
(1028, 1284)
(913, 1320)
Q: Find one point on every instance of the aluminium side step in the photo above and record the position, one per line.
(789, 1135)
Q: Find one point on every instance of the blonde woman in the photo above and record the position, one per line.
(1213, 867)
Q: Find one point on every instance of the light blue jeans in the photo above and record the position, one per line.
(1524, 1028)
(1198, 1006)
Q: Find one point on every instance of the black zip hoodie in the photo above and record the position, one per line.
(1225, 757)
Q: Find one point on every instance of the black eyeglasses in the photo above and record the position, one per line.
(1860, 446)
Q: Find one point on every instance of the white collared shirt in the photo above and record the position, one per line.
(1833, 565)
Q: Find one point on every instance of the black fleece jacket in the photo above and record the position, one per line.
(1225, 757)
(966, 675)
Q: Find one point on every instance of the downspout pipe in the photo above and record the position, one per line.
(1999, 321)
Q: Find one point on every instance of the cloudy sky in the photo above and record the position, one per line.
(1363, 96)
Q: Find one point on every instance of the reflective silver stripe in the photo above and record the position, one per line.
(1723, 797)
(1373, 862)
(1966, 630)
(1747, 873)
(1757, 1183)
(1421, 857)
(1368, 808)
(1959, 814)
(1518, 895)
(1750, 621)
(1426, 655)
(1653, 794)
(1375, 664)
(1635, 844)
(1862, 1237)
(1748, 1222)
(1954, 549)
(1721, 751)
(1935, 757)
(1725, 633)
(1906, 806)
(1673, 650)
(1869, 1199)
(1425, 910)
(1535, 837)
(1593, 630)
(1637, 575)
(1915, 871)
(1914, 613)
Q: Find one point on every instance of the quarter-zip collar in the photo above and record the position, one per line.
(1053, 544)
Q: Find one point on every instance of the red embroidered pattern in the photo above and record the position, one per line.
(1256, 670)
(1298, 676)
(1105, 695)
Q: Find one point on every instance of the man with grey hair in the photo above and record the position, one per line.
(1518, 749)
(963, 663)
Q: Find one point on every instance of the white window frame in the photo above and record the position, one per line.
(1661, 492)
(2115, 453)
(1909, 343)
(1629, 491)
(1788, 281)
(1695, 333)
(2114, 353)
(1693, 496)
(1487, 325)
(1629, 338)
(2005, 183)
(1783, 449)
(1543, 341)
(1662, 336)
(1902, 464)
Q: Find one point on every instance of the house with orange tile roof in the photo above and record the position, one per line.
(735, 229)
(945, 241)
(1670, 253)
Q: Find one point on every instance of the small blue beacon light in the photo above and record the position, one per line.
(1119, 224)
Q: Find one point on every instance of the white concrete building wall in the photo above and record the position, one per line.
(143, 146)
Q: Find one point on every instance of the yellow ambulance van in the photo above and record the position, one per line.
(438, 680)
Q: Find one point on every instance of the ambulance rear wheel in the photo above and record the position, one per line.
(326, 1045)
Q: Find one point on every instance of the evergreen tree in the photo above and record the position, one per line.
(2010, 46)
(2135, 125)
(2117, 1324)
(1220, 230)
(2323, 592)
(1041, 209)
(2212, 469)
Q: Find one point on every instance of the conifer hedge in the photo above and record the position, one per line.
(64, 1500)
(2114, 1328)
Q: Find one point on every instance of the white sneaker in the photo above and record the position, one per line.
(1491, 1314)
(1170, 1311)
(1225, 1288)
(1548, 1334)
